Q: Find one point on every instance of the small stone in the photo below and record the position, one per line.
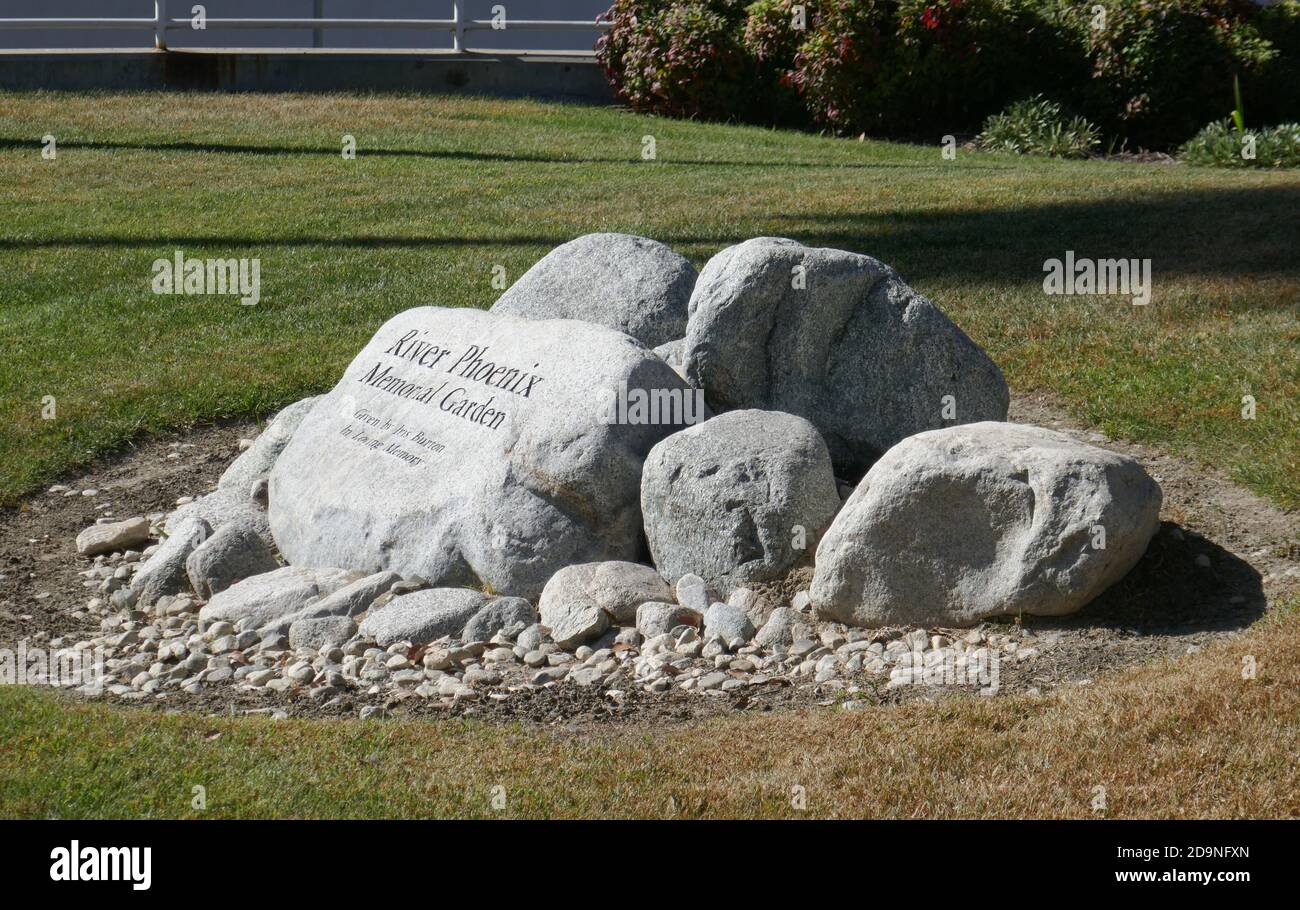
(803, 647)
(113, 536)
(218, 629)
(497, 615)
(728, 623)
(657, 618)
(300, 673)
(692, 592)
(549, 675)
(712, 680)
(586, 676)
(532, 637)
(478, 676)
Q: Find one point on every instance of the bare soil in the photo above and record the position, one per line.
(1172, 602)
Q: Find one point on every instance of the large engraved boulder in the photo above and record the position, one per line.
(958, 525)
(471, 448)
(839, 339)
(635, 285)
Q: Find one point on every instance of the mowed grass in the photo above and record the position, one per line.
(1190, 738)
(445, 189)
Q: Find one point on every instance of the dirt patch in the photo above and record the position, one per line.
(1221, 558)
(40, 590)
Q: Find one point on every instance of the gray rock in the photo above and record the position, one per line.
(423, 616)
(322, 632)
(113, 536)
(727, 623)
(586, 676)
(783, 628)
(634, 285)
(856, 351)
(164, 573)
(743, 497)
(998, 519)
(218, 509)
(533, 637)
(674, 354)
(496, 615)
(572, 616)
(756, 606)
(255, 462)
(692, 592)
(657, 618)
(348, 600)
(234, 552)
(713, 680)
(258, 600)
(615, 586)
(395, 469)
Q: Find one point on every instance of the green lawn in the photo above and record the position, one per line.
(443, 189)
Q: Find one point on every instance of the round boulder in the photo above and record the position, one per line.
(954, 526)
(638, 286)
(740, 498)
(579, 602)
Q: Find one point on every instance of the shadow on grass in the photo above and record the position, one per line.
(226, 148)
(1231, 233)
(1248, 232)
(1168, 593)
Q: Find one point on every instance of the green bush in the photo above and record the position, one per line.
(1272, 89)
(771, 40)
(682, 59)
(843, 66)
(1148, 75)
(966, 59)
(1161, 68)
(1220, 145)
(1036, 126)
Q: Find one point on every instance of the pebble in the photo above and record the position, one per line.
(712, 680)
(163, 651)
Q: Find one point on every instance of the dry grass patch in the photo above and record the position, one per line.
(1183, 739)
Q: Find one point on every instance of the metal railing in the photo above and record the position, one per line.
(458, 25)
